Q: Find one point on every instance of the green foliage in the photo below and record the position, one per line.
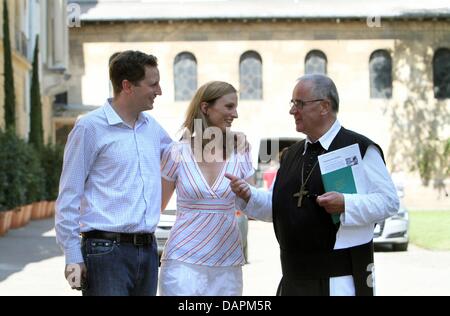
(36, 131)
(12, 170)
(445, 162)
(34, 180)
(10, 97)
(22, 178)
(3, 177)
(52, 161)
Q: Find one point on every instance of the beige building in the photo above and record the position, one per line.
(29, 18)
(381, 56)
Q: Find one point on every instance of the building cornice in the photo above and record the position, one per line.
(262, 20)
(264, 10)
(21, 60)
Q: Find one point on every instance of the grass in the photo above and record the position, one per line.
(430, 229)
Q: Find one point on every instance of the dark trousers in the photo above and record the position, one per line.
(319, 287)
(120, 269)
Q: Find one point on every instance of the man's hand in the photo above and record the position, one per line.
(240, 187)
(332, 202)
(76, 275)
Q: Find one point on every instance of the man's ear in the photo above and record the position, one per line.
(127, 86)
(204, 108)
(325, 107)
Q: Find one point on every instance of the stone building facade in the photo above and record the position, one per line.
(28, 18)
(379, 63)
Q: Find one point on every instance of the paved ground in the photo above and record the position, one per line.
(417, 272)
(32, 264)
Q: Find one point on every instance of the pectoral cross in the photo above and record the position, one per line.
(300, 195)
(303, 191)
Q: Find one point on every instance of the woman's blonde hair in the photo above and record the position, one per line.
(209, 93)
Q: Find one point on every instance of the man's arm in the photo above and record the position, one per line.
(381, 199)
(78, 159)
(256, 203)
(164, 140)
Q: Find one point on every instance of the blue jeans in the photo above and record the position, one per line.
(120, 269)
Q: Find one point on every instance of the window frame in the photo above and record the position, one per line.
(179, 58)
(259, 92)
(386, 91)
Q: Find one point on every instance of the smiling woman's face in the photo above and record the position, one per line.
(222, 113)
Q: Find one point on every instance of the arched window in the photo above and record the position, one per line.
(185, 76)
(316, 63)
(250, 76)
(441, 73)
(380, 72)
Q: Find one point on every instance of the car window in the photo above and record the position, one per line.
(268, 158)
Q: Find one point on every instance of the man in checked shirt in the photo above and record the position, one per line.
(110, 187)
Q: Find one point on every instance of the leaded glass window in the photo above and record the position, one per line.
(185, 76)
(380, 72)
(250, 74)
(316, 63)
(441, 73)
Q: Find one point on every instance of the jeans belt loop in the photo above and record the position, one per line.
(136, 242)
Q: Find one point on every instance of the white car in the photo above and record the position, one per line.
(394, 230)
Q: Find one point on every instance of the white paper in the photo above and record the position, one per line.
(340, 158)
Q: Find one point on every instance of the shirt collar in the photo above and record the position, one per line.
(144, 118)
(114, 118)
(111, 115)
(327, 138)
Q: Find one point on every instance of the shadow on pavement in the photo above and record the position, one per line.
(27, 245)
(384, 248)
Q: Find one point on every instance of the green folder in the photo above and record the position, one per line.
(341, 181)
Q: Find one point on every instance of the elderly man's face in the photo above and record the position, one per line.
(307, 119)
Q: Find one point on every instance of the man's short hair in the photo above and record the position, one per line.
(323, 87)
(111, 58)
(129, 65)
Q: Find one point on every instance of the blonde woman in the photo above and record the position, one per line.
(203, 255)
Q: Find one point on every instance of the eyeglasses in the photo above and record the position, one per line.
(300, 104)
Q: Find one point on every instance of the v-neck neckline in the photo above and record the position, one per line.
(219, 175)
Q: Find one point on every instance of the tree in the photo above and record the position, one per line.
(52, 161)
(13, 168)
(10, 97)
(36, 136)
(419, 139)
